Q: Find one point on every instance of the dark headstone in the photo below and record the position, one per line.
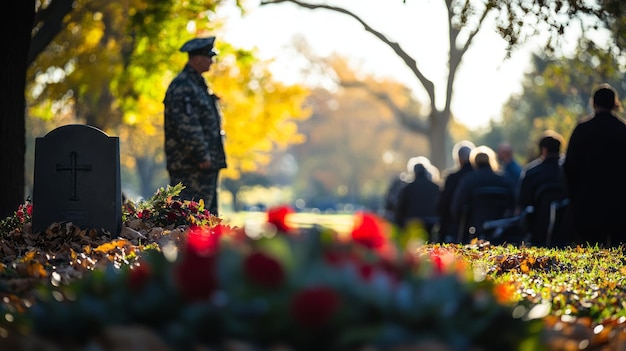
(77, 179)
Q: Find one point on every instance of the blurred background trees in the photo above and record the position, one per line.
(556, 93)
(108, 64)
(110, 68)
(515, 21)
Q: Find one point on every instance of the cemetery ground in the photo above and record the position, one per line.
(74, 289)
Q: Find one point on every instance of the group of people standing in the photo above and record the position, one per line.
(583, 186)
(440, 206)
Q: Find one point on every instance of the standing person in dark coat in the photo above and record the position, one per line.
(417, 199)
(509, 167)
(390, 202)
(484, 174)
(194, 145)
(448, 228)
(543, 177)
(595, 169)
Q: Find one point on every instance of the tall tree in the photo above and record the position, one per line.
(515, 20)
(13, 64)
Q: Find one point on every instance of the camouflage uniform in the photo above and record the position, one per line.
(193, 134)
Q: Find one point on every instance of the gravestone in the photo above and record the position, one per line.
(77, 179)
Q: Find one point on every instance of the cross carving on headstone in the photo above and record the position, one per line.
(73, 167)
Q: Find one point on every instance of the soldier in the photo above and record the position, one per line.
(194, 145)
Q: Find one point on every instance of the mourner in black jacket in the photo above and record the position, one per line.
(595, 171)
(470, 210)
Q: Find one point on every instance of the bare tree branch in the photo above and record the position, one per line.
(456, 54)
(414, 123)
(408, 60)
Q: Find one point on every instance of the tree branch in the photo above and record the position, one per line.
(408, 60)
(412, 122)
(48, 23)
(456, 54)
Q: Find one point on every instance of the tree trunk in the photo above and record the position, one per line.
(17, 26)
(437, 139)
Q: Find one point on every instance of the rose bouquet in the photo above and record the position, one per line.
(273, 285)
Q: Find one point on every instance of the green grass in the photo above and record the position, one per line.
(579, 292)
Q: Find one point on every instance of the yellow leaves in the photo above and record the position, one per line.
(259, 112)
(31, 269)
(112, 245)
(29, 256)
(524, 267)
(527, 263)
(93, 37)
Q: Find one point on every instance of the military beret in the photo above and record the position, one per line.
(200, 46)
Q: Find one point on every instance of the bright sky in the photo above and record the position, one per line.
(484, 81)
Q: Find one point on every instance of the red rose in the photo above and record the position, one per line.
(20, 214)
(314, 307)
(193, 206)
(139, 275)
(196, 276)
(145, 214)
(204, 239)
(196, 273)
(368, 231)
(206, 214)
(277, 216)
(438, 264)
(263, 270)
(172, 216)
